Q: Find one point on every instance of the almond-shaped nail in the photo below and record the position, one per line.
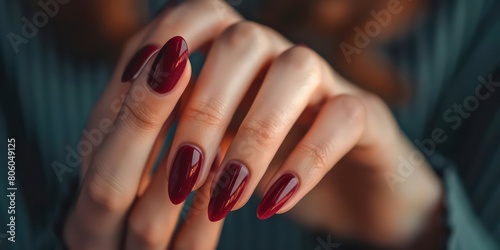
(184, 173)
(227, 190)
(138, 61)
(169, 65)
(276, 197)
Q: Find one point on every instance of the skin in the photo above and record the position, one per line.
(302, 117)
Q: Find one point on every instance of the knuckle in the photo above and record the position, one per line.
(140, 116)
(206, 111)
(106, 192)
(261, 132)
(243, 35)
(302, 60)
(316, 156)
(147, 231)
(353, 108)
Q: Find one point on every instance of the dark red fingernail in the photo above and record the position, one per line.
(138, 61)
(184, 173)
(169, 65)
(279, 193)
(227, 190)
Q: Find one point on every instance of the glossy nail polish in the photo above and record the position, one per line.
(279, 193)
(138, 61)
(184, 173)
(227, 190)
(169, 65)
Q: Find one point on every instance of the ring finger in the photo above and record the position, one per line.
(292, 79)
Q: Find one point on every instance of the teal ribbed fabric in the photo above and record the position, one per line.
(443, 56)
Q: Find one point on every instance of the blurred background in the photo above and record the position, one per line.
(55, 65)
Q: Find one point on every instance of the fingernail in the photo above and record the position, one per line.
(184, 173)
(227, 190)
(279, 193)
(138, 61)
(169, 65)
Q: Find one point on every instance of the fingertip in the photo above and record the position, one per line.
(171, 66)
(277, 196)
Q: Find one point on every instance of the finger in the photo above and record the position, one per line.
(285, 93)
(198, 232)
(220, 89)
(161, 140)
(337, 129)
(152, 220)
(198, 22)
(104, 112)
(155, 152)
(111, 183)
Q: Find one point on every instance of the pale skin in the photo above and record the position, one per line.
(339, 140)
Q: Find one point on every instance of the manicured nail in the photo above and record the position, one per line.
(169, 65)
(227, 190)
(279, 193)
(184, 173)
(138, 61)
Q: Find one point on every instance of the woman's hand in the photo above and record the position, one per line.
(120, 204)
(288, 120)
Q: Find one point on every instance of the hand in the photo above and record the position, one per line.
(261, 93)
(120, 204)
(117, 206)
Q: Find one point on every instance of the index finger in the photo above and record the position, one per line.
(111, 183)
(199, 22)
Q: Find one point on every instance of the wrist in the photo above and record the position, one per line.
(420, 194)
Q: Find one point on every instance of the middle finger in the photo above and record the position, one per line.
(292, 79)
(221, 87)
